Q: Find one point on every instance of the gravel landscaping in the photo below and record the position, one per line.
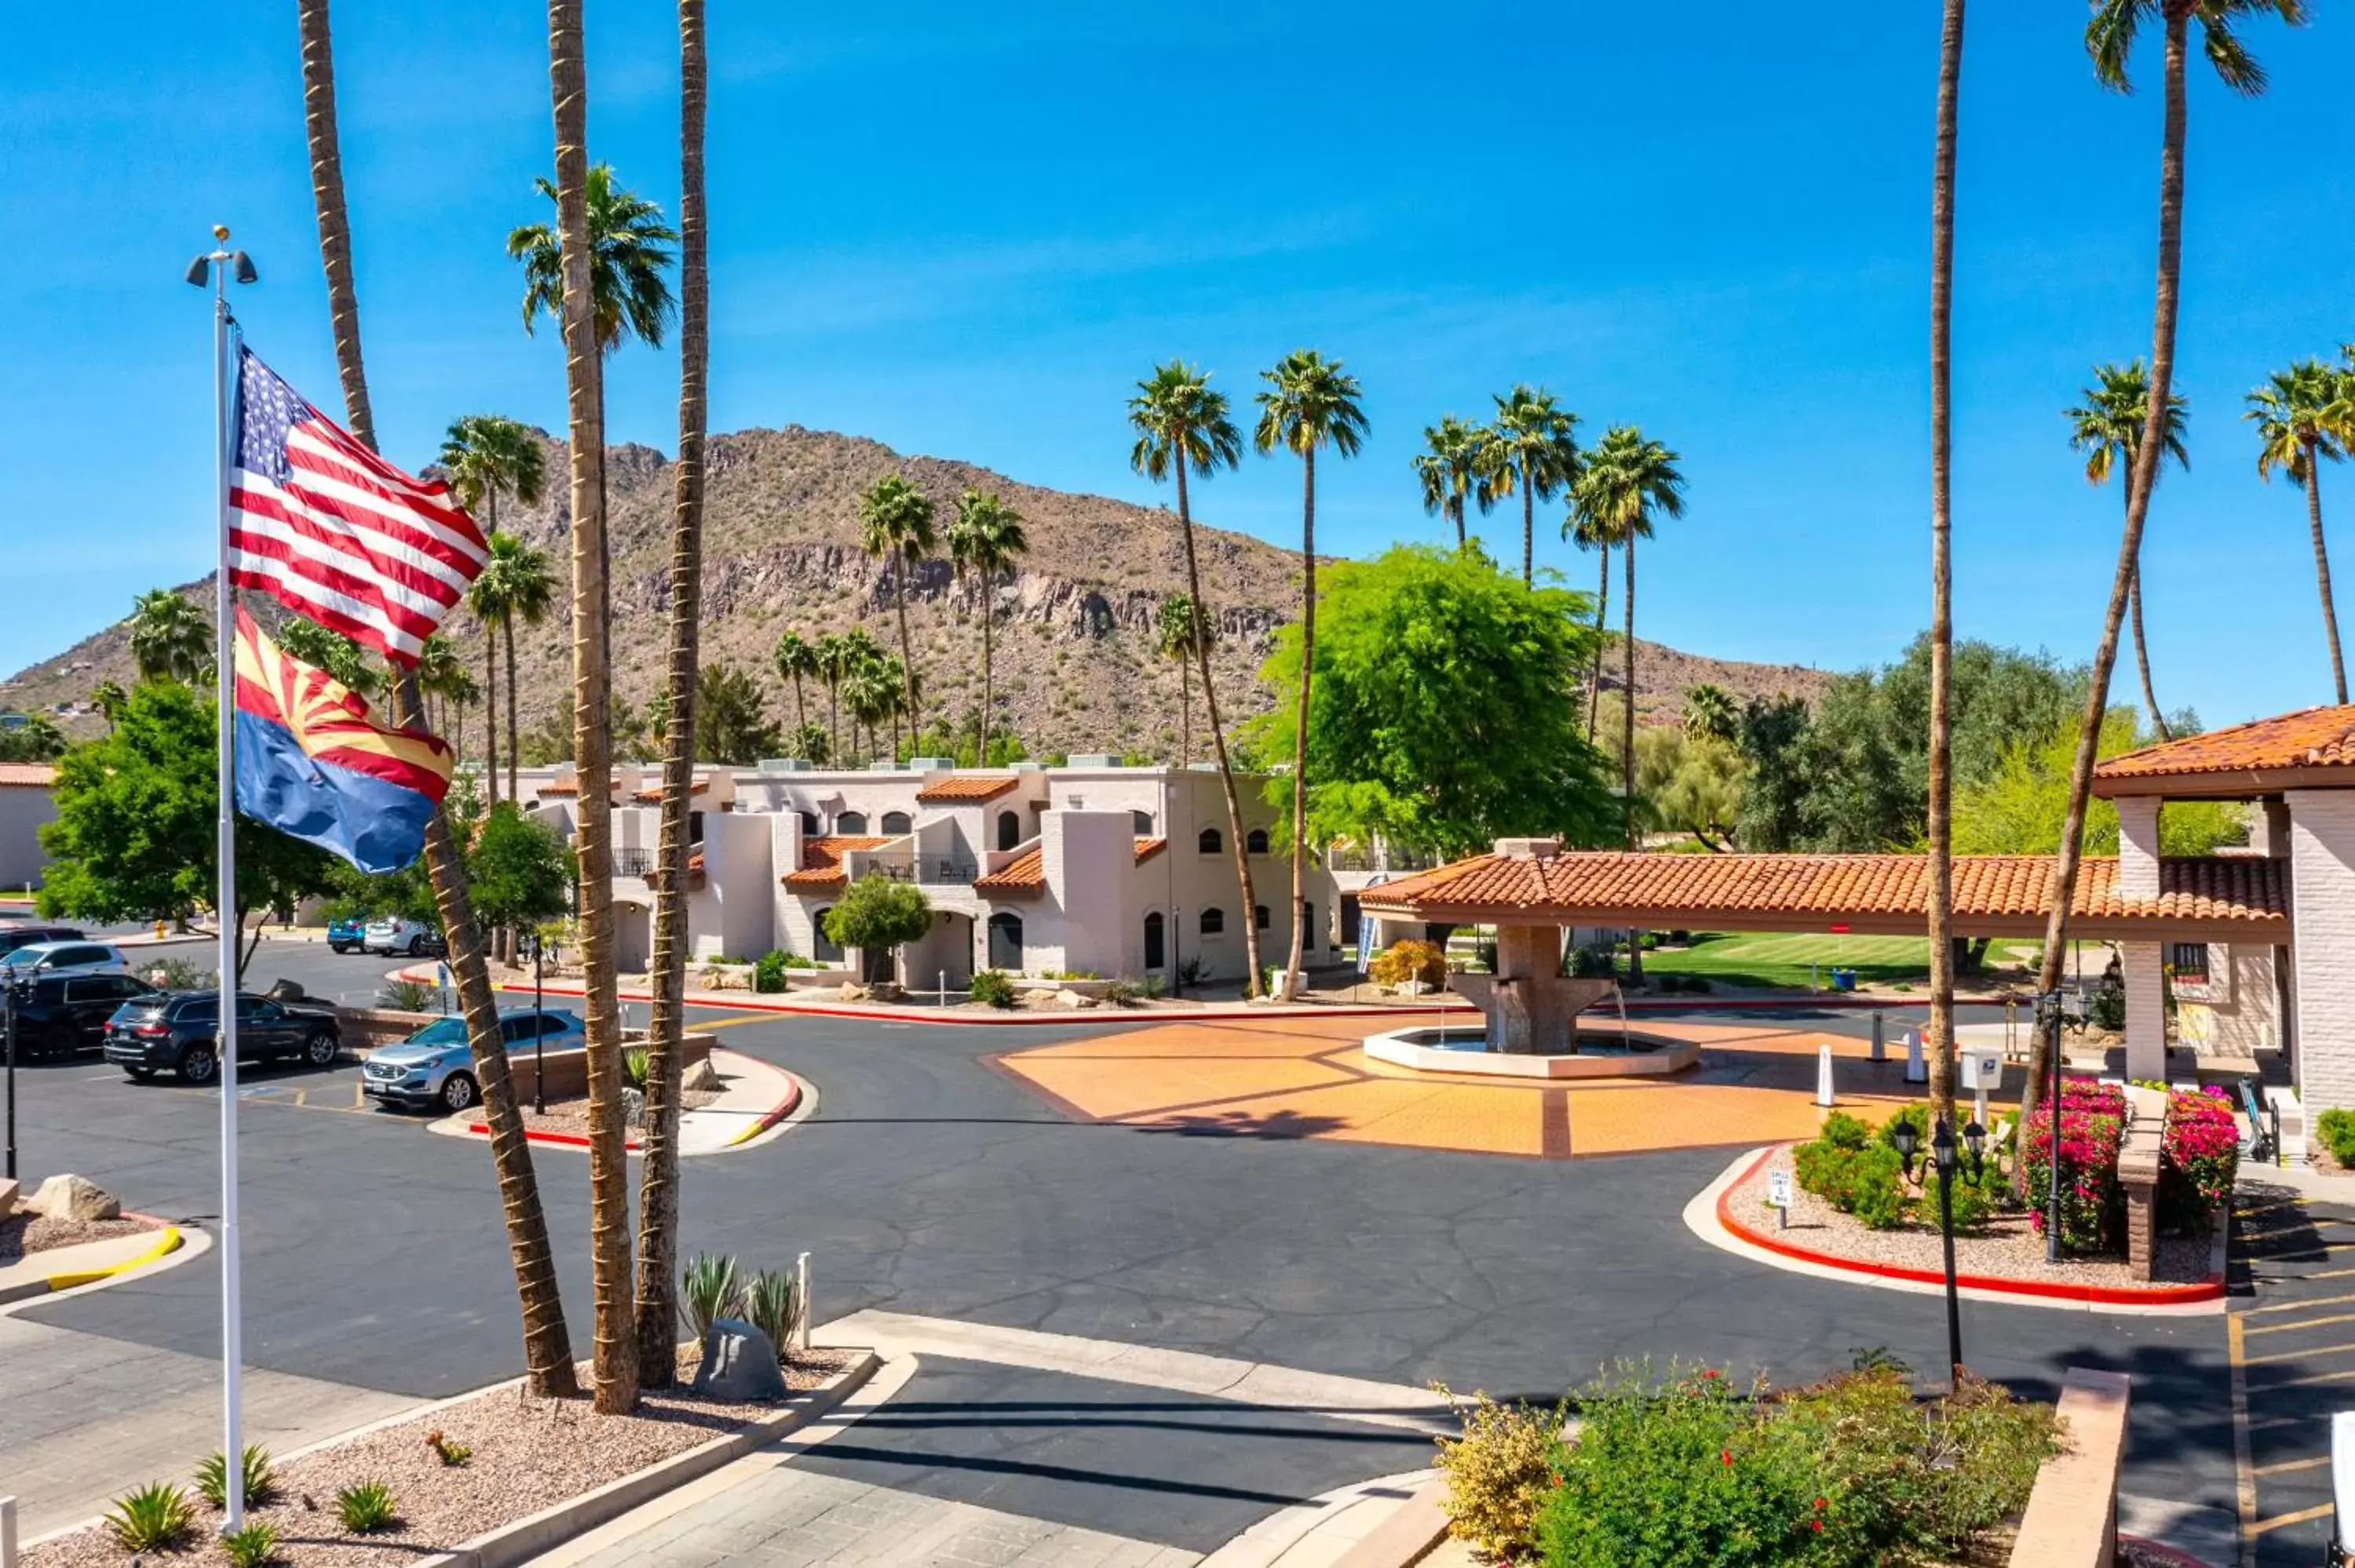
(23, 1234)
(527, 1456)
(2009, 1248)
(571, 1117)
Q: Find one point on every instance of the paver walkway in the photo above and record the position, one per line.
(1310, 1078)
(2293, 1347)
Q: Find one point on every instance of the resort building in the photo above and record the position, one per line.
(26, 802)
(1084, 869)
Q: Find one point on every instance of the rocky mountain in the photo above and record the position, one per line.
(1074, 656)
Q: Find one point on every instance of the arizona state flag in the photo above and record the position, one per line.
(314, 763)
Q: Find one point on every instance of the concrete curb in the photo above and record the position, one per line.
(798, 1091)
(163, 1246)
(1386, 1522)
(527, 1538)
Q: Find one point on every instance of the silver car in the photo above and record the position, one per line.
(42, 958)
(435, 1067)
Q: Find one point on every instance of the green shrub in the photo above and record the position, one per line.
(1974, 1203)
(709, 1290)
(1916, 1116)
(1121, 991)
(407, 996)
(2337, 1128)
(769, 1305)
(155, 1518)
(260, 1481)
(448, 1450)
(768, 974)
(1875, 1189)
(993, 989)
(1498, 1473)
(1410, 959)
(1842, 1131)
(367, 1507)
(251, 1547)
(179, 974)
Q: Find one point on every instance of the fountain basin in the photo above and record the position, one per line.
(1434, 1049)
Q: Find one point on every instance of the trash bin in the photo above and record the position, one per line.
(1843, 980)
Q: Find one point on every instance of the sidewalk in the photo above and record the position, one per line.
(64, 1267)
(756, 1102)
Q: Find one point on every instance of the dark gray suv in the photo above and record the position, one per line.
(178, 1032)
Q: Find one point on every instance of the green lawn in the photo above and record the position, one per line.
(1793, 960)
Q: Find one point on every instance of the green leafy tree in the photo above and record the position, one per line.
(2306, 418)
(1310, 403)
(109, 698)
(518, 869)
(878, 915)
(1623, 485)
(1712, 713)
(330, 651)
(1459, 467)
(171, 639)
(1441, 721)
(795, 657)
(1777, 735)
(984, 541)
(732, 724)
(2107, 428)
(1181, 635)
(134, 838)
(1688, 783)
(37, 739)
(1535, 451)
(629, 257)
(2019, 809)
(809, 742)
(895, 524)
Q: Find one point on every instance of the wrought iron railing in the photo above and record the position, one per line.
(637, 863)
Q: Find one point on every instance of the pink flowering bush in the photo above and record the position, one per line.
(2200, 1150)
(2093, 1125)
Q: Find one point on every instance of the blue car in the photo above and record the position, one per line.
(435, 1067)
(346, 935)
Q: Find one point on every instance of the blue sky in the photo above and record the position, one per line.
(967, 231)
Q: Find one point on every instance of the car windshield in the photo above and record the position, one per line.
(442, 1032)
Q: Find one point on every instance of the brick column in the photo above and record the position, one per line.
(2143, 965)
(2322, 925)
(2138, 846)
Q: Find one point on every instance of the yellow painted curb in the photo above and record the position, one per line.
(166, 1244)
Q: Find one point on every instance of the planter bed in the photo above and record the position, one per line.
(2009, 1248)
(528, 1455)
(23, 1234)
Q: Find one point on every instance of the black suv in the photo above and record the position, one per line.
(178, 1032)
(15, 937)
(57, 1015)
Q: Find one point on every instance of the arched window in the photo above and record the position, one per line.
(1211, 842)
(1156, 951)
(809, 824)
(1213, 922)
(826, 949)
(1255, 842)
(1143, 822)
(852, 823)
(1005, 941)
(895, 823)
(1009, 829)
(1259, 915)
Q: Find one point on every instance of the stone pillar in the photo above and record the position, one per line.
(1529, 1012)
(2138, 846)
(2145, 972)
(2322, 922)
(2269, 827)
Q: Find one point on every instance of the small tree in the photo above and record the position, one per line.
(730, 725)
(877, 915)
(518, 870)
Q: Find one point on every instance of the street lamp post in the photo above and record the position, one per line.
(8, 1001)
(1947, 1157)
(539, 1033)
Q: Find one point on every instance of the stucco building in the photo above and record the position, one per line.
(27, 802)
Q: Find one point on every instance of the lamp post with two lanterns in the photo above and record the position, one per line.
(1969, 1160)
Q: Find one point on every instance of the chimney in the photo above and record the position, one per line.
(1529, 849)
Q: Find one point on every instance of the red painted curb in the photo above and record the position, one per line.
(561, 1139)
(769, 1118)
(2210, 1290)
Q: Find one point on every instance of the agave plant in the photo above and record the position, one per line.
(709, 1289)
(635, 1064)
(252, 1547)
(155, 1518)
(770, 1306)
(261, 1480)
(367, 1507)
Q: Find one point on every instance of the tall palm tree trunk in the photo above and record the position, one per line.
(1942, 621)
(2322, 571)
(1300, 723)
(1528, 529)
(2141, 478)
(1455, 511)
(490, 711)
(1602, 613)
(2142, 659)
(1185, 715)
(615, 1369)
(1250, 921)
(657, 1306)
(986, 596)
(834, 723)
(515, 747)
(801, 714)
(1627, 741)
(906, 651)
(547, 1353)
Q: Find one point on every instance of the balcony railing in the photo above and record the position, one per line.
(946, 870)
(637, 863)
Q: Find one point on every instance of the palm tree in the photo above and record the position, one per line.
(109, 699)
(1626, 481)
(1583, 530)
(1309, 402)
(530, 599)
(795, 657)
(488, 596)
(171, 640)
(1535, 454)
(1458, 464)
(2303, 416)
(2108, 429)
(1182, 425)
(834, 667)
(579, 261)
(657, 1308)
(321, 649)
(1712, 713)
(630, 238)
(1181, 633)
(895, 523)
(2109, 40)
(548, 1351)
(985, 539)
(486, 455)
(1940, 897)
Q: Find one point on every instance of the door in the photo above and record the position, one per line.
(262, 1030)
(1157, 956)
(92, 1000)
(1005, 942)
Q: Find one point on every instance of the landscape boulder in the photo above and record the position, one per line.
(739, 1362)
(702, 1075)
(71, 1197)
(1073, 999)
(8, 1196)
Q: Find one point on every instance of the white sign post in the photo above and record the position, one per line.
(1778, 1197)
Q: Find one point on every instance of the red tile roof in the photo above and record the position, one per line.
(965, 788)
(654, 796)
(27, 775)
(821, 868)
(560, 786)
(1147, 848)
(1883, 890)
(1024, 875)
(2312, 738)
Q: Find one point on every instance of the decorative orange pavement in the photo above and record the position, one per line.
(1307, 1077)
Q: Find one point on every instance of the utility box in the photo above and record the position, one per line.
(1983, 1068)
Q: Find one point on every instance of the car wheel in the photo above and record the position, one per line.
(140, 1074)
(339, 947)
(200, 1064)
(457, 1091)
(416, 947)
(320, 1048)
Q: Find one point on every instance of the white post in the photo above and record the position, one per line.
(800, 1290)
(225, 908)
(1917, 1071)
(1879, 1046)
(7, 1532)
(1824, 1076)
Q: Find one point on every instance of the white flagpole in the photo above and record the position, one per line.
(225, 912)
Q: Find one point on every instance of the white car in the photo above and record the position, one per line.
(40, 958)
(414, 938)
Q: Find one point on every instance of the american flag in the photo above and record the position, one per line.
(333, 532)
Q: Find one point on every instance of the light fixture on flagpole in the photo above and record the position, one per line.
(222, 264)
